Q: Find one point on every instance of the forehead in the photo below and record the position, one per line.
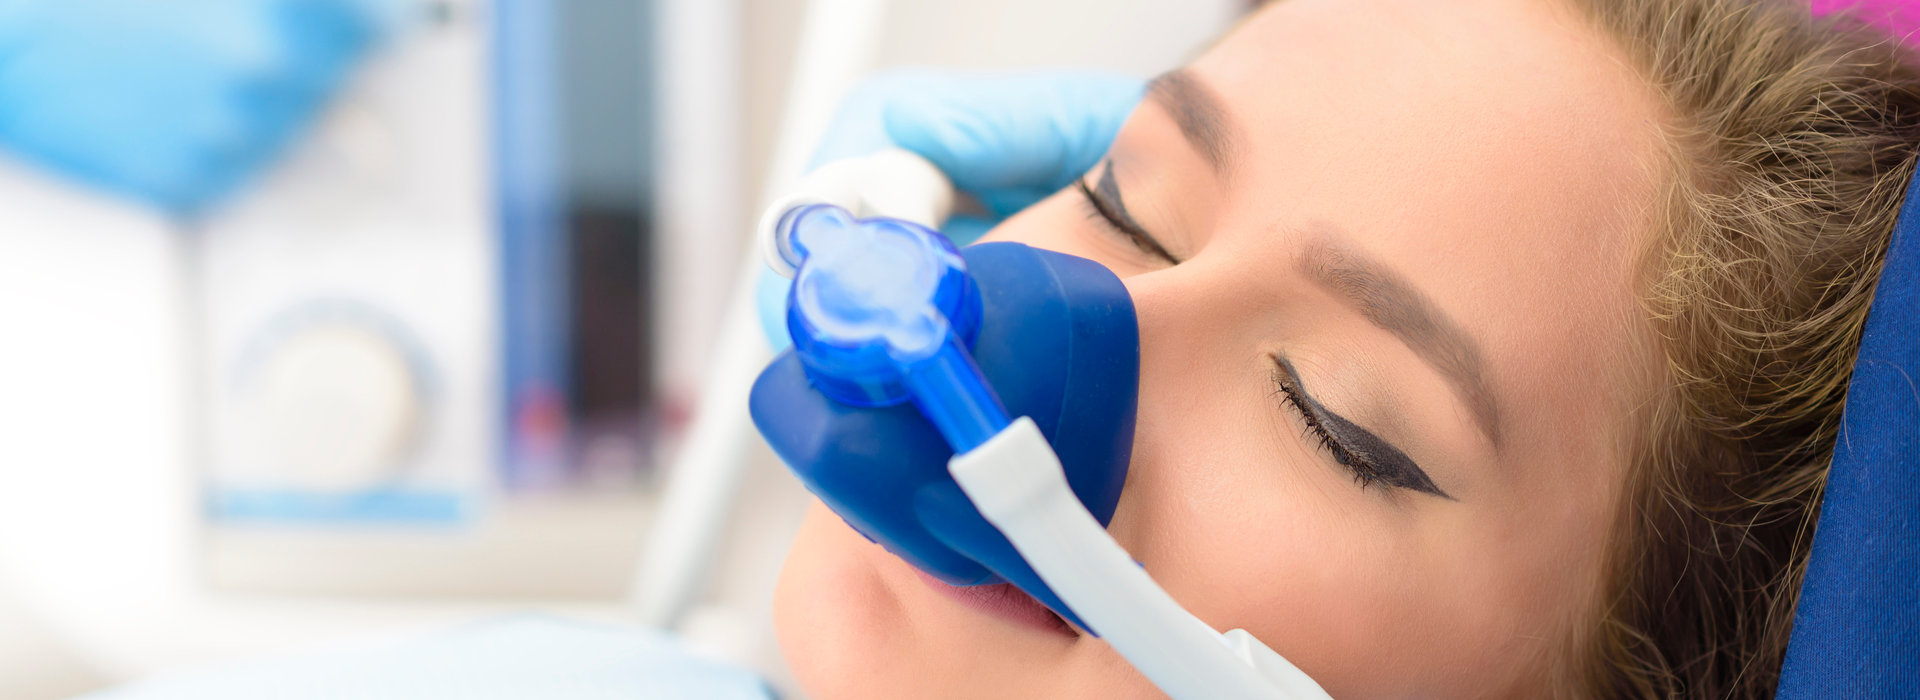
(1440, 91)
(1499, 153)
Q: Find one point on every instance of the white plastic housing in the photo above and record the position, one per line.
(893, 183)
(1017, 483)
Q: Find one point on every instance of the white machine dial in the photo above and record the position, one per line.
(333, 405)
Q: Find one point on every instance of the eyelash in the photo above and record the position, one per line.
(1097, 210)
(1364, 472)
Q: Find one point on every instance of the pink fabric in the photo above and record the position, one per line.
(1900, 18)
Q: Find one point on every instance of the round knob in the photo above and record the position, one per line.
(333, 406)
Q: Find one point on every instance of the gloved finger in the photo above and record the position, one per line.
(1008, 140)
(858, 128)
(1035, 131)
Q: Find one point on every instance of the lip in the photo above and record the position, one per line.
(1002, 600)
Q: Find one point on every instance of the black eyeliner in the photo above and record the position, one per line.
(1105, 198)
(1391, 466)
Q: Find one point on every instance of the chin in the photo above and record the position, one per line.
(855, 622)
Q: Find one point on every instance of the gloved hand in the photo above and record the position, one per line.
(1007, 140)
(174, 103)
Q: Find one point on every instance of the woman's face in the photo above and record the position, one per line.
(1409, 224)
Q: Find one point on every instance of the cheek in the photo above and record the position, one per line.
(1247, 526)
(1062, 223)
(833, 614)
(842, 630)
(1042, 225)
(1295, 554)
(1241, 533)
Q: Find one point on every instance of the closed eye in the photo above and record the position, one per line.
(1367, 457)
(1110, 209)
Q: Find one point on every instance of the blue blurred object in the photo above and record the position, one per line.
(1057, 342)
(1008, 140)
(530, 199)
(1012, 140)
(511, 658)
(1856, 633)
(173, 103)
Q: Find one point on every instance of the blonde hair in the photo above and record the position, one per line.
(1792, 142)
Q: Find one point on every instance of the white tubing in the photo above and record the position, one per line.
(1017, 483)
(895, 183)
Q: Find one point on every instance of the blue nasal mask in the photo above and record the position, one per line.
(972, 412)
(906, 350)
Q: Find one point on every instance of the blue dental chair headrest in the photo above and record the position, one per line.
(1857, 631)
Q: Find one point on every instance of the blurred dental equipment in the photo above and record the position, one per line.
(297, 389)
(328, 360)
(427, 348)
(884, 311)
(344, 307)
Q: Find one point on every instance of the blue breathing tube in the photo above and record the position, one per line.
(907, 351)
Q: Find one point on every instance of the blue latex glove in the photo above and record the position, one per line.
(1007, 140)
(172, 102)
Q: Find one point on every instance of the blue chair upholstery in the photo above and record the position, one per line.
(1857, 631)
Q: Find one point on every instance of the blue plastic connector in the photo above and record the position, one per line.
(883, 311)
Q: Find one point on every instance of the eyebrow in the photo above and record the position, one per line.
(1390, 302)
(1200, 115)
